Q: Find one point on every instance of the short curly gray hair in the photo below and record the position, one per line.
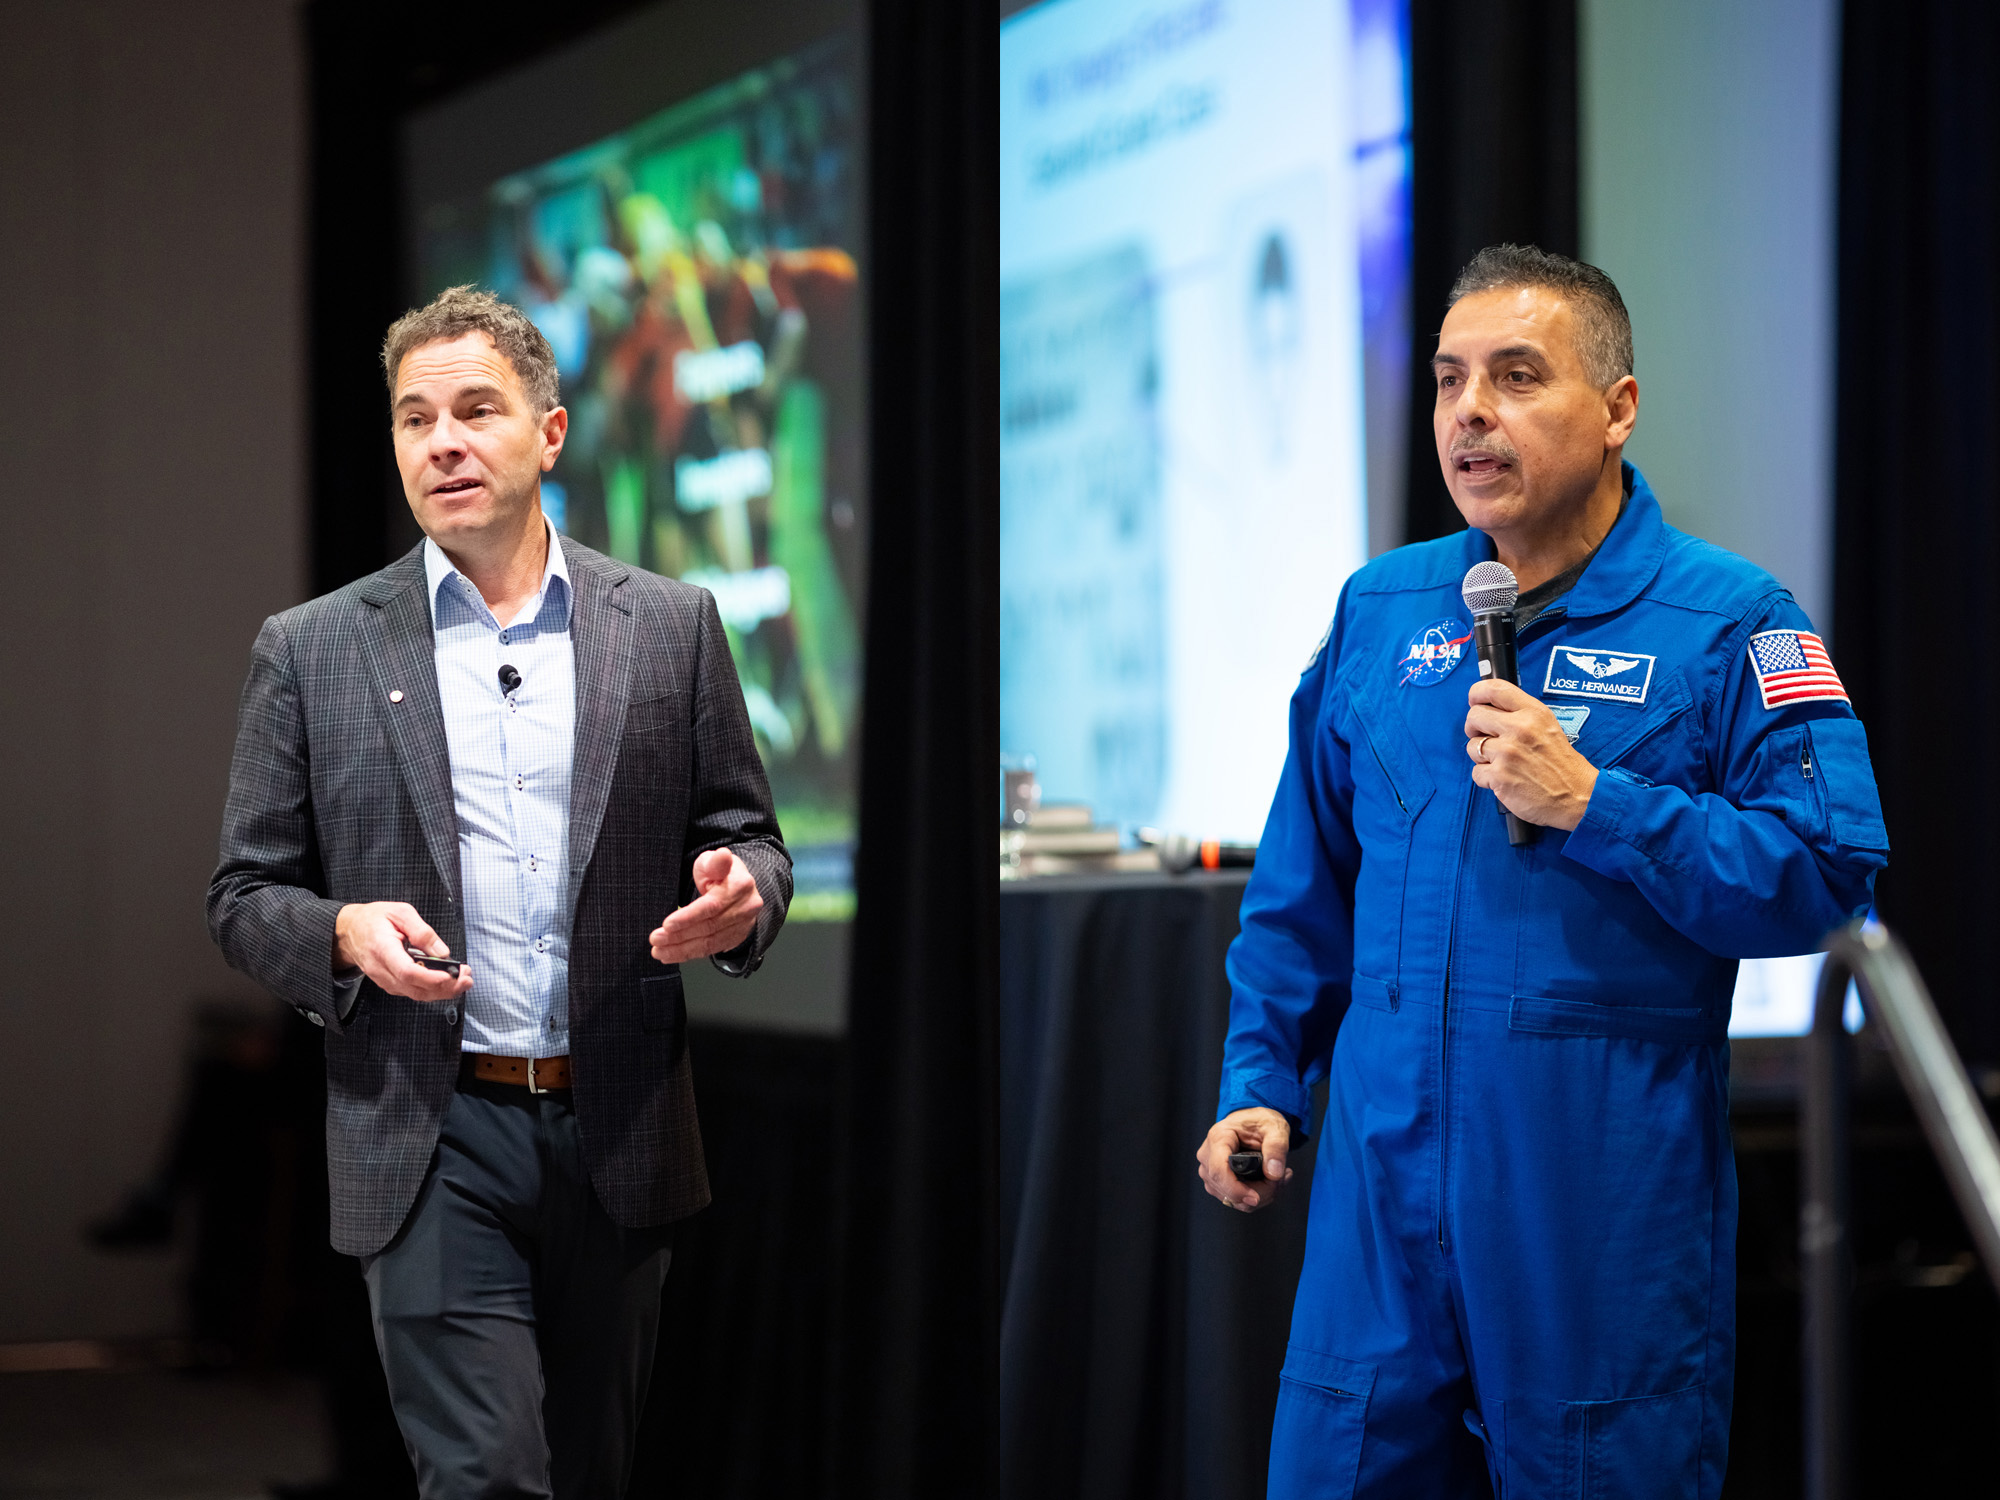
(1603, 327)
(459, 310)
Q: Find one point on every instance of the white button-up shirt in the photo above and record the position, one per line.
(510, 766)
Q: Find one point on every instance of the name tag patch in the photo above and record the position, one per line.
(1435, 652)
(1600, 675)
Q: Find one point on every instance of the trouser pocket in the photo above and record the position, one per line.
(1322, 1416)
(1640, 1448)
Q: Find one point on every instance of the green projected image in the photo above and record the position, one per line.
(696, 279)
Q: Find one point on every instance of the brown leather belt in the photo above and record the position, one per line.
(538, 1075)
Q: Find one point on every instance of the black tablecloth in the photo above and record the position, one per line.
(1144, 1324)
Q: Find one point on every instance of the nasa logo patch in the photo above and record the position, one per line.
(1605, 676)
(1435, 652)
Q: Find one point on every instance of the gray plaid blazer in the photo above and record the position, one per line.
(336, 794)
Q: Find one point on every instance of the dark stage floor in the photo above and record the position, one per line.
(156, 1435)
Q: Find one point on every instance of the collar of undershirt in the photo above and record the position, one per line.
(1536, 600)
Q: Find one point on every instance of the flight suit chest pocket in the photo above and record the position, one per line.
(1569, 920)
(1652, 742)
(1391, 788)
(1401, 785)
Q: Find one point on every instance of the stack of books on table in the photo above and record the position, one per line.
(1060, 839)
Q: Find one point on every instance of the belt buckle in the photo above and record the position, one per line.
(533, 1087)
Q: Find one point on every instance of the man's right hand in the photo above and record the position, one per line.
(369, 936)
(1262, 1130)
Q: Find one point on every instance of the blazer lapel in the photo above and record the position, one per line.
(398, 643)
(600, 629)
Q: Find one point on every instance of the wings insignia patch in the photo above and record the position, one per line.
(1603, 676)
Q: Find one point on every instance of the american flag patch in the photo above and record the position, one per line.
(1792, 667)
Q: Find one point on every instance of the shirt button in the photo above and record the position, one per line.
(517, 781)
(505, 638)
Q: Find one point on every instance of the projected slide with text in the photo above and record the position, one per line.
(696, 277)
(1181, 465)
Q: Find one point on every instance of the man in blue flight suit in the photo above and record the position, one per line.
(1520, 1268)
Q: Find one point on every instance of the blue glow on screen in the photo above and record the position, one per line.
(1204, 322)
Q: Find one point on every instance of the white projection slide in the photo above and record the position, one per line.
(1774, 997)
(1181, 466)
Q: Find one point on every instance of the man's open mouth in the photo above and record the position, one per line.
(1480, 464)
(454, 486)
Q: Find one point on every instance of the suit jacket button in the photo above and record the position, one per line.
(451, 1015)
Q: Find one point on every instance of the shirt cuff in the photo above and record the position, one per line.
(1287, 1096)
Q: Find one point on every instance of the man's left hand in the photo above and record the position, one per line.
(719, 918)
(1524, 758)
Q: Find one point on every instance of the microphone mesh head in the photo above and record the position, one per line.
(1489, 586)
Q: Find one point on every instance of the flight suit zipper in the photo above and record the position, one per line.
(1444, 1018)
(1549, 616)
(1451, 951)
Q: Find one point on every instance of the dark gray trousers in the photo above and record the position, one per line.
(516, 1321)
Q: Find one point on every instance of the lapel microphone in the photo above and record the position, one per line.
(511, 679)
(1490, 591)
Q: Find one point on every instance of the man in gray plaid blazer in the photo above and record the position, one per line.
(531, 766)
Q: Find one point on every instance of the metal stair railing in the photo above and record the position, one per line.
(1893, 994)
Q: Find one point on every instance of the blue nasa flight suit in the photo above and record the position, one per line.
(1520, 1268)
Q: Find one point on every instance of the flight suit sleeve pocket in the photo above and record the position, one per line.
(1839, 752)
(663, 1008)
(1321, 1419)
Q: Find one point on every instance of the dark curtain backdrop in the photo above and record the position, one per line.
(1917, 486)
(921, 1317)
(371, 63)
(1493, 128)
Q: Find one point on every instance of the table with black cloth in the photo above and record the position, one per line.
(1144, 1324)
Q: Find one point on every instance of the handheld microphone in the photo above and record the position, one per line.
(511, 679)
(1491, 590)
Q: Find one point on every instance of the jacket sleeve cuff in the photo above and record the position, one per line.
(1287, 1096)
(771, 867)
(1595, 842)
